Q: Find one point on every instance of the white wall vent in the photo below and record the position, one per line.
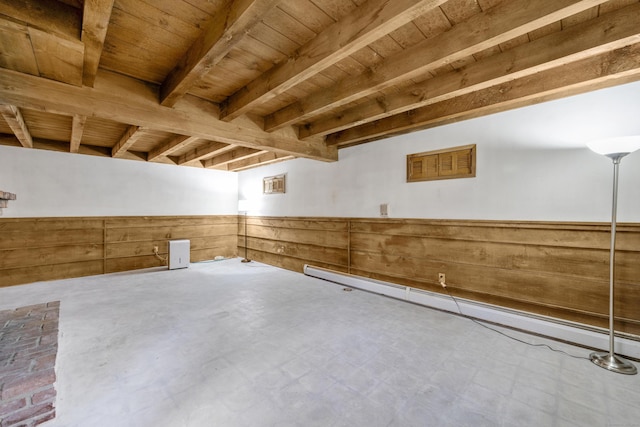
(179, 254)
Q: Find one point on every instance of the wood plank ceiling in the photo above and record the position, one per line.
(232, 84)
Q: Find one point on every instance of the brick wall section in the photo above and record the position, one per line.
(28, 349)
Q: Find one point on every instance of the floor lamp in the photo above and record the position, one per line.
(243, 206)
(615, 149)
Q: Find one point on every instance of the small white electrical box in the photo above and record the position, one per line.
(384, 210)
(179, 254)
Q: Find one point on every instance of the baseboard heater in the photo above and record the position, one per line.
(573, 332)
(179, 254)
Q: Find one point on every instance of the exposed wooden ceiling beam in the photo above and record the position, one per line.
(95, 21)
(127, 100)
(237, 154)
(607, 32)
(130, 137)
(50, 16)
(371, 21)
(14, 119)
(63, 147)
(226, 30)
(255, 161)
(53, 32)
(169, 147)
(209, 150)
(77, 129)
(480, 32)
(609, 69)
(41, 52)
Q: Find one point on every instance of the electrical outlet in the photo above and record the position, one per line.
(155, 249)
(384, 210)
(441, 279)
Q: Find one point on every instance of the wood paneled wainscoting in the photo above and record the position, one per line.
(35, 249)
(555, 269)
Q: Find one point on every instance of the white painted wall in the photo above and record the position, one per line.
(51, 184)
(532, 165)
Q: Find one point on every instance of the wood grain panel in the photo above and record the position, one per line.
(310, 254)
(585, 262)
(549, 234)
(53, 238)
(292, 242)
(26, 257)
(154, 233)
(557, 269)
(289, 263)
(35, 249)
(628, 325)
(139, 248)
(170, 221)
(327, 238)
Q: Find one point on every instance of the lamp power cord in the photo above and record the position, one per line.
(478, 322)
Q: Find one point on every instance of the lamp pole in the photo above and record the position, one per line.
(243, 206)
(615, 149)
(246, 259)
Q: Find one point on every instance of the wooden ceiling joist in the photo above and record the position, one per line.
(623, 65)
(130, 137)
(14, 119)
(210, 150)
(610, 31)
(175, 144)
(252, 162)
(375, 19)
(50, 16)
(225, 31)
(232, 84)
(478, 33)
(77, 129)
(95, 21)
(126, 100)
(237, 154)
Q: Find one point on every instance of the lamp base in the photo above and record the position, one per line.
(245, 260)
(613, 363)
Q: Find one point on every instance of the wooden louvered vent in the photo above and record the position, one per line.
(456, 162)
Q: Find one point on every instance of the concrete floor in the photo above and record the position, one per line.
(231, 344)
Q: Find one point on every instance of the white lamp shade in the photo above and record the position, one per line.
(620, 145)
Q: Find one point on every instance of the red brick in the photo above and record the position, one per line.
(16, 368)
(27, 383)
(30, 353)
(10, 336)
(21, 311)
(52, 314)
(46, 395)
(44, 362)
(6, 357)
(50, 326)
(27, 413)
(49, 339)
(47, 417)
(27, 342)
(11, 406)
